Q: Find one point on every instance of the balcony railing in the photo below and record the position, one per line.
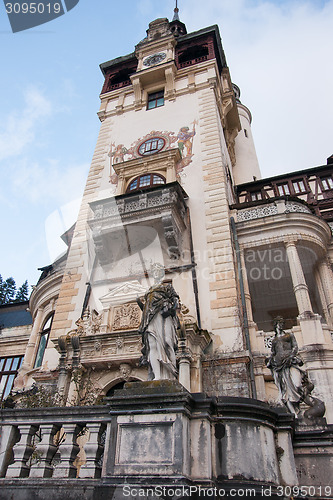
(314, 186)
(44, 442)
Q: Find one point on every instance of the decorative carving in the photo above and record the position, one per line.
(257, 213)
(268, 341)
(125, 370)
(292, 206)
(166, 205)
(89, 323)
(122, 294)
(293, 383)
(172, 236)
(154, 59)
(98, 346)
(126, 317)
(119, 343)
(270, 209)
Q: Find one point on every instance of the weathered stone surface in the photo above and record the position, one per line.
(225, 376)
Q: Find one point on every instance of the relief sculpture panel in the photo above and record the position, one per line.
(126, 317)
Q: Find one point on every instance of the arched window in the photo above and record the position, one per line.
(110, 392)
(145, 181)
(44, 337)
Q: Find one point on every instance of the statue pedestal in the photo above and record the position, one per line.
(151, 433)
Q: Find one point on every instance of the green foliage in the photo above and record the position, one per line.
(9, 294)
(87, 394)
(43, 396)
(22, 293)
(38, 397)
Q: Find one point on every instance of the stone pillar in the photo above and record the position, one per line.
(185, 370)
(93, 450)
(30, 349)
(247, 294)
(68, 451)
(22, 452)
(8, 436)
(326, 278)
(63, 379)
(300, 287)
(323, 301)
(311, 328)
(286, 459)
(45, 451)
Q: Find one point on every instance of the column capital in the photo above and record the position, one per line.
(290, 241)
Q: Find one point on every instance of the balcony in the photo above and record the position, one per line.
(147, 433)
(313, 186)
(129, 223)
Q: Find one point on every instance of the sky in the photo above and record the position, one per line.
(278, 53)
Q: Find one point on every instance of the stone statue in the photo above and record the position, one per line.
(293, 382)
(159, 328)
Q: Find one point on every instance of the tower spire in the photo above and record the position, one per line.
(176, 10)
(177, 27)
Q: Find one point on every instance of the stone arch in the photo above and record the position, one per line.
(109, 380)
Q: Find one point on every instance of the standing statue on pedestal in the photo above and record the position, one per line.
(293, 382)
(159, 328)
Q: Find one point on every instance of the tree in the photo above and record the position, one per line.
(8, 292)
(22, 293)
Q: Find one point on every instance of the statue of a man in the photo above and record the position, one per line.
(159, 328)
(293, 382)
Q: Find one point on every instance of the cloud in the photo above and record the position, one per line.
(57, 223)
(52, 181)
(279, 54)
(20, 126)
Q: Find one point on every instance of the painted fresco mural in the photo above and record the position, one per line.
(152, 143)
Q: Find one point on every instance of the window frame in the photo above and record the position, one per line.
(139, 187)
(9, 374)
(328, 179)
(155, 99)
(43, 334)
(158, 142)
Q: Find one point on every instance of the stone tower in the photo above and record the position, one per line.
(175, 184)
(159, 191)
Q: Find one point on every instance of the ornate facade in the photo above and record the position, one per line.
(175, 181)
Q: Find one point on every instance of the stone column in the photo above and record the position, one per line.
(30, 349)
(68, 451)
(323, 301)
(326, 278)
(246, 288)
(45, 451)
(185, 370)
(286, 459)
(8, 437)
(22, 452)
(299, 284)
(93, 450)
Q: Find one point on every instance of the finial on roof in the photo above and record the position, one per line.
(176, 26)
(176, 10)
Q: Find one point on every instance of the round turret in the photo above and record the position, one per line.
(246, 168)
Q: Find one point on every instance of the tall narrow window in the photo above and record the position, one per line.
(8, 371)
(155, 100)
(44, 337)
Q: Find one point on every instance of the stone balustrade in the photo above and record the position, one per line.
(47, 442)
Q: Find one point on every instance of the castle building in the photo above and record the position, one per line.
(175, 183)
